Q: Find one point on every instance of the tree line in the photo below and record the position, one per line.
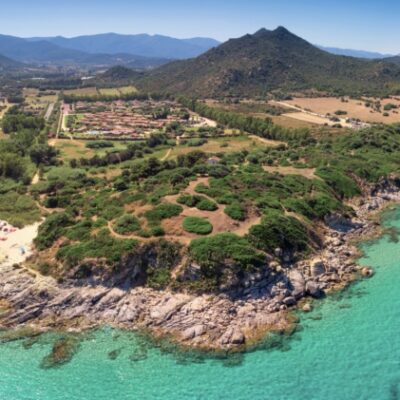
(263, 127)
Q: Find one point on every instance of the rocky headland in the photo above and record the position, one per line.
(228, 321)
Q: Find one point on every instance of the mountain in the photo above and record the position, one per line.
(394, 60)
(44, 52)
(256, 64)
(354, 53)
(7, 64)
(143, 45)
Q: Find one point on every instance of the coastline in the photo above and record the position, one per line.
(208, 322)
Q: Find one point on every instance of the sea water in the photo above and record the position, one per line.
(348, 348)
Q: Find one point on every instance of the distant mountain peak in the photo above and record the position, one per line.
(266, 61)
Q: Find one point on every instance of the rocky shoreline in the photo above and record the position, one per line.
(208, 322)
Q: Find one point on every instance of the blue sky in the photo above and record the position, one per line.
(367, 25)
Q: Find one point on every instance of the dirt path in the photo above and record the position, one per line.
(308, 173)
(35, 178)
(166, 155)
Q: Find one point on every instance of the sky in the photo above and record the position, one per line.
(372, 25)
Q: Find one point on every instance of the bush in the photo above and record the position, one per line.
(200, 202)
(200, 226)
(126, 224)
(213, 252)
(18, 210)
(99, 144)
(235, 211)
(52, 229)
(101, 245)
(277, 230)
(163, 211)
(206, 205)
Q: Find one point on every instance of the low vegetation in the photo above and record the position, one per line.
(201, 226)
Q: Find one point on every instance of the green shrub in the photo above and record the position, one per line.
(236, 211)
(278, 230)
(18, 209)
(213, 252)
(52, 229)
(200, 202)
(101, 245)
(126, 224)
(163, 211)
(200, 226)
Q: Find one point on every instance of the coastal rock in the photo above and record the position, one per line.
(193, 332)
(298, 283)
(163, 312)
(289, 301)
(317, 268)
(232, 336)
(367, 272)
(314, 290)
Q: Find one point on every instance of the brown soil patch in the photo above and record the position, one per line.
(220, 221)
(308, 173)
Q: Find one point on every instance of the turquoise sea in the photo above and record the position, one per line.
(348, 349)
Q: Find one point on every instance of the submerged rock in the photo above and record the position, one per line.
(62, 352)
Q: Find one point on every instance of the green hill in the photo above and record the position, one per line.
(268, 60)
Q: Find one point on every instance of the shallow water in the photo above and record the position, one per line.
(349, 348)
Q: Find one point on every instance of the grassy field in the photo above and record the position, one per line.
(70, 149)
(220, 145)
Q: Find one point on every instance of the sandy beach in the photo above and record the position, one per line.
(17, 246)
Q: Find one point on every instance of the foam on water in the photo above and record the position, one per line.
(348, 349)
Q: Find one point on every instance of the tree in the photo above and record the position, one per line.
(43, 154)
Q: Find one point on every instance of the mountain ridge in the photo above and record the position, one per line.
(268, 60)
(158, 46)
(354, 53)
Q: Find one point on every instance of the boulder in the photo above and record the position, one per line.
(232, 336)
(193, 332)
(289, 301)
(317, 268)
(297, 282)
(367, 272)
(314, 290)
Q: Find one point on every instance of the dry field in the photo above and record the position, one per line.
(109, 91)
(86, 91)
(127, 89)
(355, 108)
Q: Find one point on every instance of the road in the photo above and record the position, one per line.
(49, 111)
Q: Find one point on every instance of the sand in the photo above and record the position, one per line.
(18, 246)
